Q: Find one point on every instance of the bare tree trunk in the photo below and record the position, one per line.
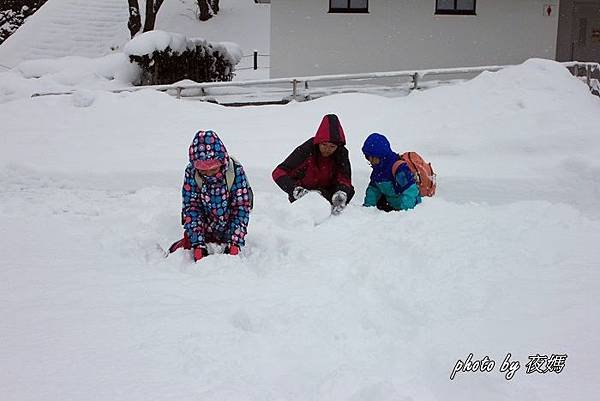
(204, 8)
(150, 16)
(135, 22)
(152, 7)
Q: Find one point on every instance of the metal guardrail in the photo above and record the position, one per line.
(415, 76)
(588, 68)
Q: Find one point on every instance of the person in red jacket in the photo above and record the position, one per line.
(321, 163)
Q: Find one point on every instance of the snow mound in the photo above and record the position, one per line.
(310, 210)
(67, 73)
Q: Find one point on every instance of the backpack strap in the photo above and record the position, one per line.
(230, 173)
(406, 158)
(198, 178)
(396, 166)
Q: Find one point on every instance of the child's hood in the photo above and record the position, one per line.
(208, 146)
(377, 145)
(330, 130)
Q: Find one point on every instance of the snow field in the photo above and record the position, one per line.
(365, 306)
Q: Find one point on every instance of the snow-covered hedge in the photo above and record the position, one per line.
(166, 58)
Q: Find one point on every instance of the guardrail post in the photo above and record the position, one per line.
(588, 76)
(415, 80)
(255, 60)
(294, 89)
(178, 92)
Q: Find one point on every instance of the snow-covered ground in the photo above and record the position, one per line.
(89, 28)
(68, 28)
(67, 44)
(365, 306)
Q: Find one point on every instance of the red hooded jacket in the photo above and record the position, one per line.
(306, 167)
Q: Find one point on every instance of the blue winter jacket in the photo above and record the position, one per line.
(400, 190)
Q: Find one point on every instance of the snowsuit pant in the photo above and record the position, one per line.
(209, 236)
(382, 204)
(185, 242)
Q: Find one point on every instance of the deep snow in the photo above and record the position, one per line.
(365, 306)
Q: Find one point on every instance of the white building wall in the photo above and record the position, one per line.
(405, 34)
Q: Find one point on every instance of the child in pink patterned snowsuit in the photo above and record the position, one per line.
(217, 198)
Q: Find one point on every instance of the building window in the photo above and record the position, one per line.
(455, 7)
(348, 6)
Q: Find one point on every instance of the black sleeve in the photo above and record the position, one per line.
(282, 175)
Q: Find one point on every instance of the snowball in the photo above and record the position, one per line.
(83, 98)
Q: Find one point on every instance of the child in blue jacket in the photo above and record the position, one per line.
(388, 191)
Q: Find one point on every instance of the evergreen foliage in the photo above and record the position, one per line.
(204, 63)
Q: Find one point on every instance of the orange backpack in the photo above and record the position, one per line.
(422, 172)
